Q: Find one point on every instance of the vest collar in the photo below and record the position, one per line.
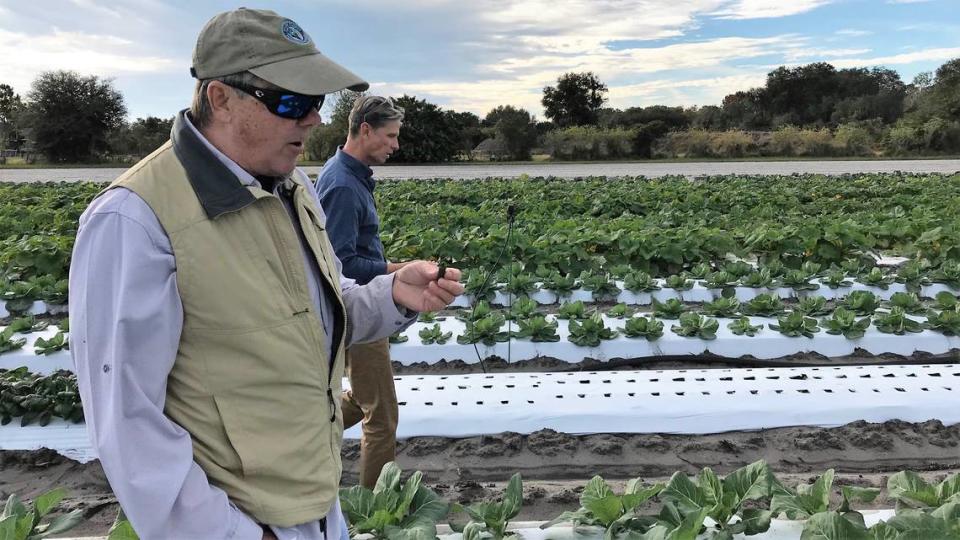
(217, 188)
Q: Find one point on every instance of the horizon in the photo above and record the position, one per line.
(493, 52)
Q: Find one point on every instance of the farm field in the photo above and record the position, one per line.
(627, 327)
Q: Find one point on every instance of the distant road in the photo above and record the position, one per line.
(565, 170)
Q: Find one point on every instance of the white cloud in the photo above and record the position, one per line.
(907, 1)
(764, 9)
(853, 33)
(24, 56)
(798, 54)
(520, 81)
(899, 59)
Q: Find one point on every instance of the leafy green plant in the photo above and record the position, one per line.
(671, 309)
(742, 327)
(10, 343)
(720, 280)
(861, 302)
(639, 326)
(738, 269)
(722, 500)
(429, 317)
(522, 308)
(811, 268)
(480, 285)
(58, 342)
(679, 283)
(897, 322)
(908, 302)
(522, 284)
(397, 338)
(561, 284)
(813, 306)
(121, 528)
(572, 310)
(855, 267)
(700, 271)
(799, 280)
(50, 289)
(620, 271)
(601, 285)
(38, 399)
(481, 310)
(722, 307)
(696, 325)
(877, 278)
(948, 274)
(485, 330)
(538, 329)
(836, 279)
(809, 499)
(20, 522)
(845, 322)
(763, 305)
(490, 519)
(640, 282)
(912, 491)
(795, 324)
(590, 332)
(601, 507)
(914, 275)
(761, 279)
(391, 507)
(19, 297)
(945, 301)
(433, 334)
(28, 324)
(946, 322)
(775, 267)
(618, 311)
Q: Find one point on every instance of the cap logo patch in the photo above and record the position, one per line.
(294, 33)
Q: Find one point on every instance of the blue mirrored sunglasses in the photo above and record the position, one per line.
(283, 103)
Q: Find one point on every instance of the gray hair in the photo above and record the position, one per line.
(374, 110)
(201, 113)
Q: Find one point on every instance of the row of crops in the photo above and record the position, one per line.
(670, 228)
(745, 502)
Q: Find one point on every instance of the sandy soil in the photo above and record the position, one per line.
(555, 465)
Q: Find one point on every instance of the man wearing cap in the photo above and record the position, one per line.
(345, 187)
(208, 311)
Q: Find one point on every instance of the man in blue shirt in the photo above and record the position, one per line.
(345, 188)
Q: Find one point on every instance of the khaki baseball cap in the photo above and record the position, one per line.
(271, 47)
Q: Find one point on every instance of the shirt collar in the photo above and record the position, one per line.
(357, 167)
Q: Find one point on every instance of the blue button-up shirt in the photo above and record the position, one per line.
(345, 188)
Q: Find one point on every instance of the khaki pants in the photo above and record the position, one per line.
(372, 399)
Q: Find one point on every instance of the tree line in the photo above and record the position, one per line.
(809, 110)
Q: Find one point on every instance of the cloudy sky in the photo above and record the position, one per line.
(475, 55)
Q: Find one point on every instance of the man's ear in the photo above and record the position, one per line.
(365, 129)
(222, 98)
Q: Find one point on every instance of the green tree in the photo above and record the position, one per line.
(71, 115)
(575, 101)
(11, 108)
(467, 127)
(141, 137)
(322, 141)
(428, 135)
(515, 127)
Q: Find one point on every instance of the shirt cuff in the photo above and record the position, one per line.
(401, 316)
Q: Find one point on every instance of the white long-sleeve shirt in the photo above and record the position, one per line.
(125, 322)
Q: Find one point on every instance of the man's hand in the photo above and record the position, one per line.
(416, 286)
(268, 533)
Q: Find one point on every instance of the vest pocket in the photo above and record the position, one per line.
(250, 460)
